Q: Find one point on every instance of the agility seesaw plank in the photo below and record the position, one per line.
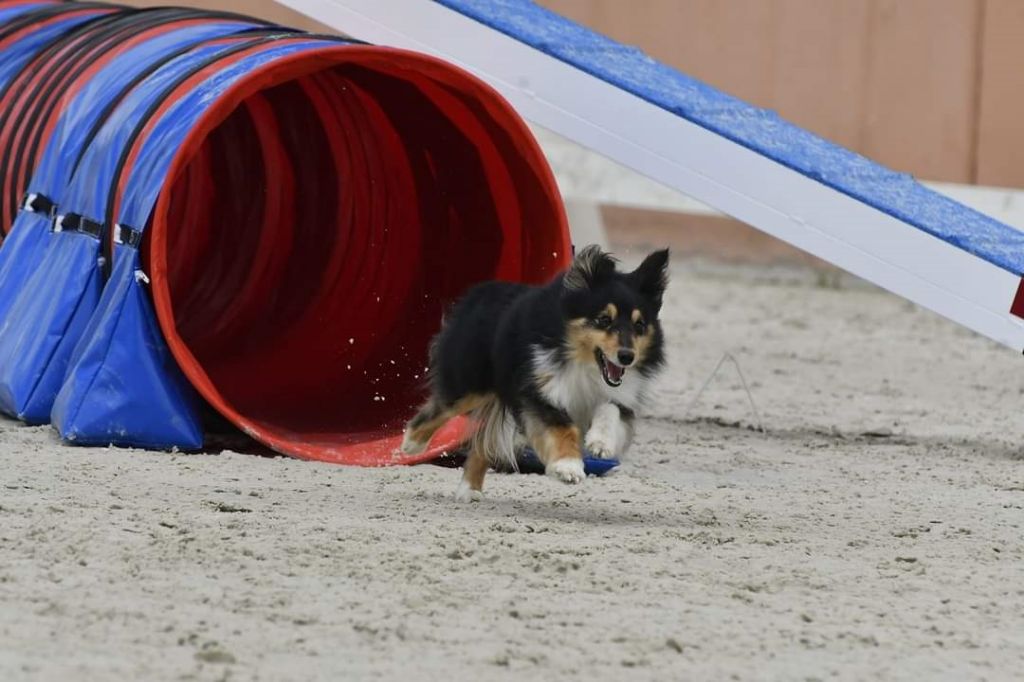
(747, 162)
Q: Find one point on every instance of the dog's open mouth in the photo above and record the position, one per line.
(611, 372)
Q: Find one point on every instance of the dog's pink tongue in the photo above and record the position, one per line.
(615, 372)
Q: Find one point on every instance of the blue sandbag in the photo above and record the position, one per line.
(125, 388)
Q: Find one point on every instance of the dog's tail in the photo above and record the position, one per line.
(497, 435)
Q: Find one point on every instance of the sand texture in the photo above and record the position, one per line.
(874, 532)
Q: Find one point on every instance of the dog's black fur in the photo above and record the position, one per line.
(535, 364)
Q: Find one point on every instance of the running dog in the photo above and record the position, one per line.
(559, 367)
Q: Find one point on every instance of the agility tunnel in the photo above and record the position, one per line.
(206, 214)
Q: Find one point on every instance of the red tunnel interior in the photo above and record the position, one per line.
(320, 218)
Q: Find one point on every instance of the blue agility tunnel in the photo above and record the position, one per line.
(205, 214)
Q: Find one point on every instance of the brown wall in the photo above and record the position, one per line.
(931, 87)
(1001, 128)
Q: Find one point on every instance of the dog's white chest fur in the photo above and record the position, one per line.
(579, 389)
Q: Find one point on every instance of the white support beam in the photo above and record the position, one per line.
(586, 176)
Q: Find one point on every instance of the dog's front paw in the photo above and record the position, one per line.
(608, 435)
(598, 444)
(465, 494)
(567, 470)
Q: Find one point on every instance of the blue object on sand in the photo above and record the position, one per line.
(593, 466)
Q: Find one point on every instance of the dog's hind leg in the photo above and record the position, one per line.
(422, 427)
(433, 415)
(472, 484)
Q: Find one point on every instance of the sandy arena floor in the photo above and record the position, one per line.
(875, 531)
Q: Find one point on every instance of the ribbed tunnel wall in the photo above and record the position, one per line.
(201, 209)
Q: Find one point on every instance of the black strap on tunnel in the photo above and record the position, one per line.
(34, 202)
(75, 222)
(96, 36)
(159, 102)
(128, 236)
(331, 38)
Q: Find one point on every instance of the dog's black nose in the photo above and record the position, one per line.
(626, 357)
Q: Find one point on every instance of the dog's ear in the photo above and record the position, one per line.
(590, 266)
(651, 278)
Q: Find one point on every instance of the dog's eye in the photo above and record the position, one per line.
(603, 322)
(640, 327)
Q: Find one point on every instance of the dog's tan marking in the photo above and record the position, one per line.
(643, 343)
(559, 448)
(643, 346)
(582, 339)
(430, 418)
(553, 443)
(611, 311)
(636, 315)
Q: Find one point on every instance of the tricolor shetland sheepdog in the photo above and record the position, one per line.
(559, 367)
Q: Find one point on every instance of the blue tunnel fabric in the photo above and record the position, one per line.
(25, 247)
(25, 49)
(9, 13)
(36, 341)
(43, 24)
